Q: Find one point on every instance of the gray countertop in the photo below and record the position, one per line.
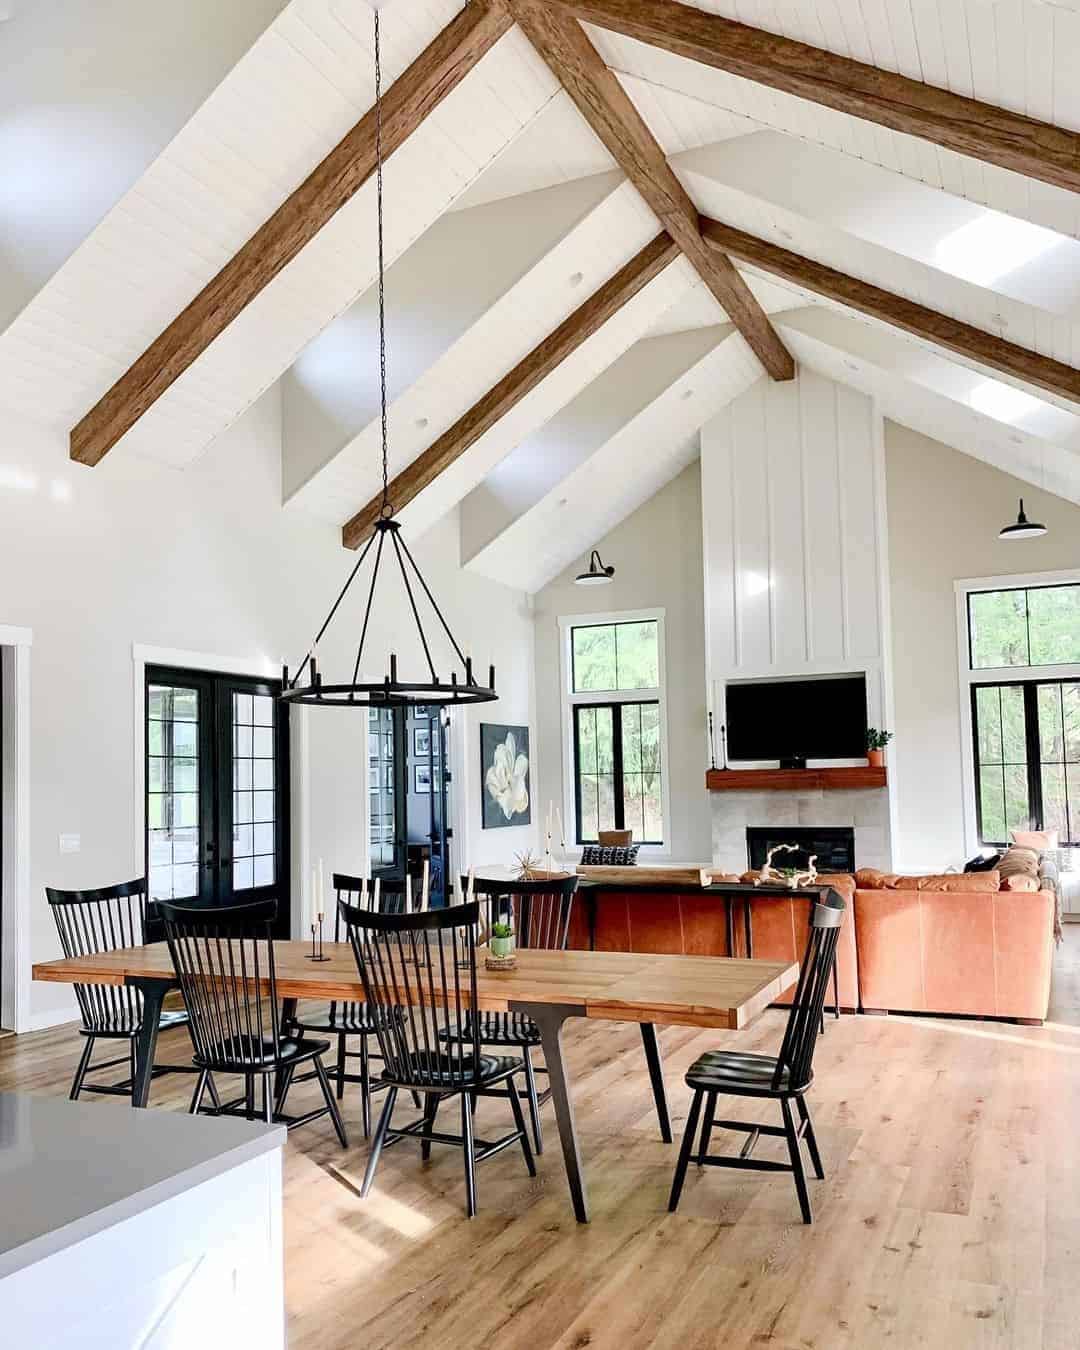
(69, 1170)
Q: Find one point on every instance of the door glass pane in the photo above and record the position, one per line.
(596, 771)
(381, 814)
(254, 797)
(172, 782)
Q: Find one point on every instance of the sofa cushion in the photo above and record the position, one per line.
(609, 855)
(951, 882)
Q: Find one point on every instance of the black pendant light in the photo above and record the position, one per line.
(597, 575)
(1023, 528)
(432, 686)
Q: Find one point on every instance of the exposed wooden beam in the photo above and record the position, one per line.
(512, 388)
(986, 349)
(603, 102)
(438, 70)
(993, 135)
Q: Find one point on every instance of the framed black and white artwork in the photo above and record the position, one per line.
(504, 776)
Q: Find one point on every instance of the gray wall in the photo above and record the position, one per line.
(657, 555)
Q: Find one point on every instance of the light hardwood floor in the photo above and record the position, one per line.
(950, 1216)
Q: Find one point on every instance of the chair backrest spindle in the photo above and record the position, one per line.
(419, 976)
(224, 961)
(804, 1020)
(106, 919)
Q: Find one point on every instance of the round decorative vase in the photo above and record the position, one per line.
(875, 758)
(502, 947)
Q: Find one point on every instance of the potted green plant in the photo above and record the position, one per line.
(876, 741)
(502, 940)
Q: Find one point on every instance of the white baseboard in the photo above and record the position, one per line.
(52, 1017)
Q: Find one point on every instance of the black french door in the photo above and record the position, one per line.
(409, 797)
(217, 790)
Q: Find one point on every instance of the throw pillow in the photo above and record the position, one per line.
(1019, 862)
(984, 862)
(1039, 840)
(596, 855)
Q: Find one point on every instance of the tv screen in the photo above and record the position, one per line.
(814, 719)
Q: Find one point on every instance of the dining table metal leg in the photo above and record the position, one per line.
(656, 1077)
(549, 1017)
(153, 996)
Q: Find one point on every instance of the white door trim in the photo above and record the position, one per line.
(15, 761)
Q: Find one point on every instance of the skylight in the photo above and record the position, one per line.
(1002, 401)
(992, 246)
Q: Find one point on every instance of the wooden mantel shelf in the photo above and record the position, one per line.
(794, 780)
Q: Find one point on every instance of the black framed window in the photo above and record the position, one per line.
(617, 719)
(1026, 737)
(1028, 626)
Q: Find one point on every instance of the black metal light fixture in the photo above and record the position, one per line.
(1023, 528)
(430, 687)
(597, 575)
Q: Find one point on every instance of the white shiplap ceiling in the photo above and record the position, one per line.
(985, 245)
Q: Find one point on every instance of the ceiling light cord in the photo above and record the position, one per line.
(386, 511)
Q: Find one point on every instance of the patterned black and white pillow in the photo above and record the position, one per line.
(597, 855)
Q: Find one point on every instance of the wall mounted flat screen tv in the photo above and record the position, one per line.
(821, 718)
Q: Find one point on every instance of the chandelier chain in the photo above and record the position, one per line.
(386, 509)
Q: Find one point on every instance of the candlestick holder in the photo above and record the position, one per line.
(317, 953)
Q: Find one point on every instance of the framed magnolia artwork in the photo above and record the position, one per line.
(504, 776)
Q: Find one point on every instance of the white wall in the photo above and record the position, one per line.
(657, 558)
(94, 560)
(945, 510)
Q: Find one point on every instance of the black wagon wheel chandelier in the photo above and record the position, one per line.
(458, 684)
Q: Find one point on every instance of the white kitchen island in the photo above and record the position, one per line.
(122, 1229)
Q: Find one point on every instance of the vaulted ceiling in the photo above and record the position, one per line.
(605, 219)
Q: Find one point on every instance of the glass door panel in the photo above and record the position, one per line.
(173, 798)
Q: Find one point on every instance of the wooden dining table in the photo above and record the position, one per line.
(549, 986)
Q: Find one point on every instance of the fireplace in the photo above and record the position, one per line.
(834, 846)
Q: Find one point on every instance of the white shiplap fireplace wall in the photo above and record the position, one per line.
(796, 580)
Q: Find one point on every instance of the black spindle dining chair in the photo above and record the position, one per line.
(105, 920)
(342, 1019)
(784, 1077)
(539, 913)
(224, 961)
(419, 975)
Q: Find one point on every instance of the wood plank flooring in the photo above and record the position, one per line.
(950, 1216)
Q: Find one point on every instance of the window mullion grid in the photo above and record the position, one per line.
(1034, 753)
(617, 762)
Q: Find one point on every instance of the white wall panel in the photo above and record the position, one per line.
(790, 512)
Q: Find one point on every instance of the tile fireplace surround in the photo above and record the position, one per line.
(865, 809)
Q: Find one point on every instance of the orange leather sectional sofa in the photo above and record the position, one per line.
(953, 944)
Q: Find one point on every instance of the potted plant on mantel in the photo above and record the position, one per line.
(876, 741)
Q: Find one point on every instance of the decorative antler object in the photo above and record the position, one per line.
(806, 878)
(768, 872)
(786, 876)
